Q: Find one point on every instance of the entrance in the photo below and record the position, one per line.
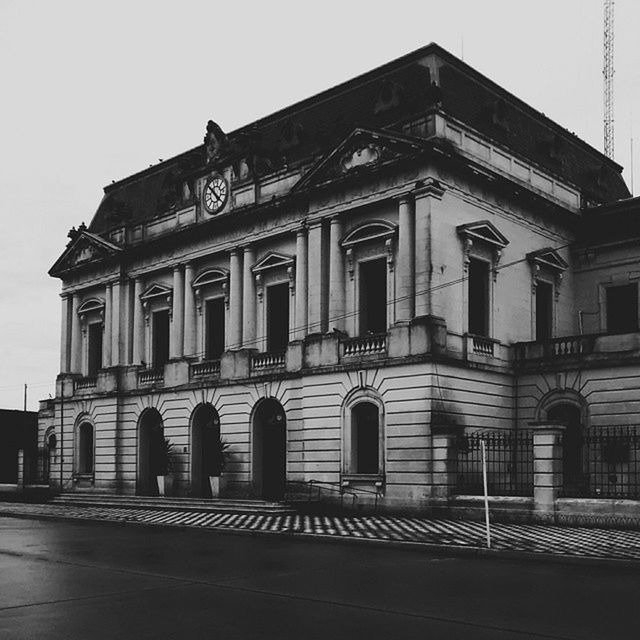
(575, 481)
(270, 449)
(205, 434)
(150, 452)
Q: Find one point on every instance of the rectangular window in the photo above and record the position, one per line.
(214, 331)
(373, 296)
(160, 338)
(622, 308)
(478, 297)
(277, 317)
(544, 311)
(95, 348)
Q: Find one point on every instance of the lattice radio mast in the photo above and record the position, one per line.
(607, 72)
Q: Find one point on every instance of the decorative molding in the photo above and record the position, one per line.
(429, 187)
(369, 232)
(259, 286)
(388, 245)
(291, 274)
(273, 260)
(549, 261)
(350, 262)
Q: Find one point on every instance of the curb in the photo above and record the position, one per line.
(439, 550)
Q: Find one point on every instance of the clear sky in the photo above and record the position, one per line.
(94, 91)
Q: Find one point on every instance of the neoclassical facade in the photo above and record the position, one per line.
(325, 286)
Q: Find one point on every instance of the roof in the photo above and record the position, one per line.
(612, 222)
(383, 98)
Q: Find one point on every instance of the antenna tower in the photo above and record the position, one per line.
(607, 72)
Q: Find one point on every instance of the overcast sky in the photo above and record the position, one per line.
(92, 92)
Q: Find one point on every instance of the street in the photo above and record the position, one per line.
(100, 580)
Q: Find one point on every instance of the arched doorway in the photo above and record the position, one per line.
(573, 469)
(205, 434)
(49, 454)
(270, 449)
(150, 448)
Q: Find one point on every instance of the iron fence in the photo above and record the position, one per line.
(509, 463)
(602, 462)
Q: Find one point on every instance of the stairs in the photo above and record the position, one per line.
(193, 505)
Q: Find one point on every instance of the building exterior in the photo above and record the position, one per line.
(343, 288)
(18, 430)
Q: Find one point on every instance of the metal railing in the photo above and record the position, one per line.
(313, 490)
(262, 361)
(367, 345)
(509, 463)
(206, 368)
(602, 462)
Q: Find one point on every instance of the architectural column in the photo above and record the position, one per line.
(314, 289)
(106, 327)
(189, 313)
(301, 284)
(235, 301)
(248, 301)
(64, 335)
(138, 323)
(115, 324)
(336, 277)
(76, 336)
(405, 264)
(177, 316)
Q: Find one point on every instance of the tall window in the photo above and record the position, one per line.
(544, 310)
(160, 337)
(215, 328)
(373, 296)
(85, 448)
(622, 308)
(277, 317)
(95, 348)
(478, 297)
(365, 443)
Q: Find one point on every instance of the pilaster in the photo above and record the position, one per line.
(177, 316)
(336, 277)
(315, 305)
(138, 323)
(301, 285)
(406, 256)
(234, 340)
(248, 300)
(189, 312)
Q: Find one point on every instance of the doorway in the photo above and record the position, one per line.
(270, 450)
(575, 480)
(205, 434)
(150, 449)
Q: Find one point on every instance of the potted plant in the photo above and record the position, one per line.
(163, 464)
(217, 463)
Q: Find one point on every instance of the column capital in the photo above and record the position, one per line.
(405, 198)
(177, 268)
(428, 188)
(315, 223)
(335, 218)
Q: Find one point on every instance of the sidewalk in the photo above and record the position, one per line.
(563, 542)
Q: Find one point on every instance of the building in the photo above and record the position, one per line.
(343, 290)
(18, 430)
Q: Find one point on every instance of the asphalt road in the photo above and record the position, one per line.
(89, 580)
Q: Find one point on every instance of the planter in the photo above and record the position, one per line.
(217, 484)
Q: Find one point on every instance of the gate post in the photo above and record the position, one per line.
(444, 459)
(547, 465)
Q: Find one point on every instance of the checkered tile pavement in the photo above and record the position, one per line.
(566, 541)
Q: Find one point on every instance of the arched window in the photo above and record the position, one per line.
(85, 448)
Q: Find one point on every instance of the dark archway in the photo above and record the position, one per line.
(575, 481)
(205, 434)
(150, 451)
(270, 449)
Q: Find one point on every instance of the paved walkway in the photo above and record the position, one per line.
(527, 538)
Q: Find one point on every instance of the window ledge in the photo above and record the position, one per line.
(373, 479)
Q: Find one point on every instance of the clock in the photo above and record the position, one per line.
(215, 195)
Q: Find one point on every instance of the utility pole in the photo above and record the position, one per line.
(607, 72)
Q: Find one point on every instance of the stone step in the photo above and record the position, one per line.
(171, 503)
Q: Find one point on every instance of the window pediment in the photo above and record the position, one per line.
(376, 230)
(272, 260)
(91, 305)
(211, 276)
(483, 231)
(155, 292)
(548, 258)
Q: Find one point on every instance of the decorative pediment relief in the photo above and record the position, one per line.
(93, 304)
(271, 261)
(211, 278)
(85, 248)
(548, 258)
(482, 231)
(156, 291)
(362, 149)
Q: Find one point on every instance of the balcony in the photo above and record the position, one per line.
(583, 348)
(208, 368)
(266, 362)
(365, 346)
(88, 382)
(151, 376)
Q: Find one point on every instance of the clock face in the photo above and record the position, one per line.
(215, 194)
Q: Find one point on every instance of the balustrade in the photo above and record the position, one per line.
(88, 382)
(151, 376)
(365, 346)
(262, 361)
(206, 368)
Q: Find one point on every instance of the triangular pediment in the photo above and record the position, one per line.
(483, 231)
(361, 149)
(156, 291)
(85, 248)
(549, 258)
(271, 261)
